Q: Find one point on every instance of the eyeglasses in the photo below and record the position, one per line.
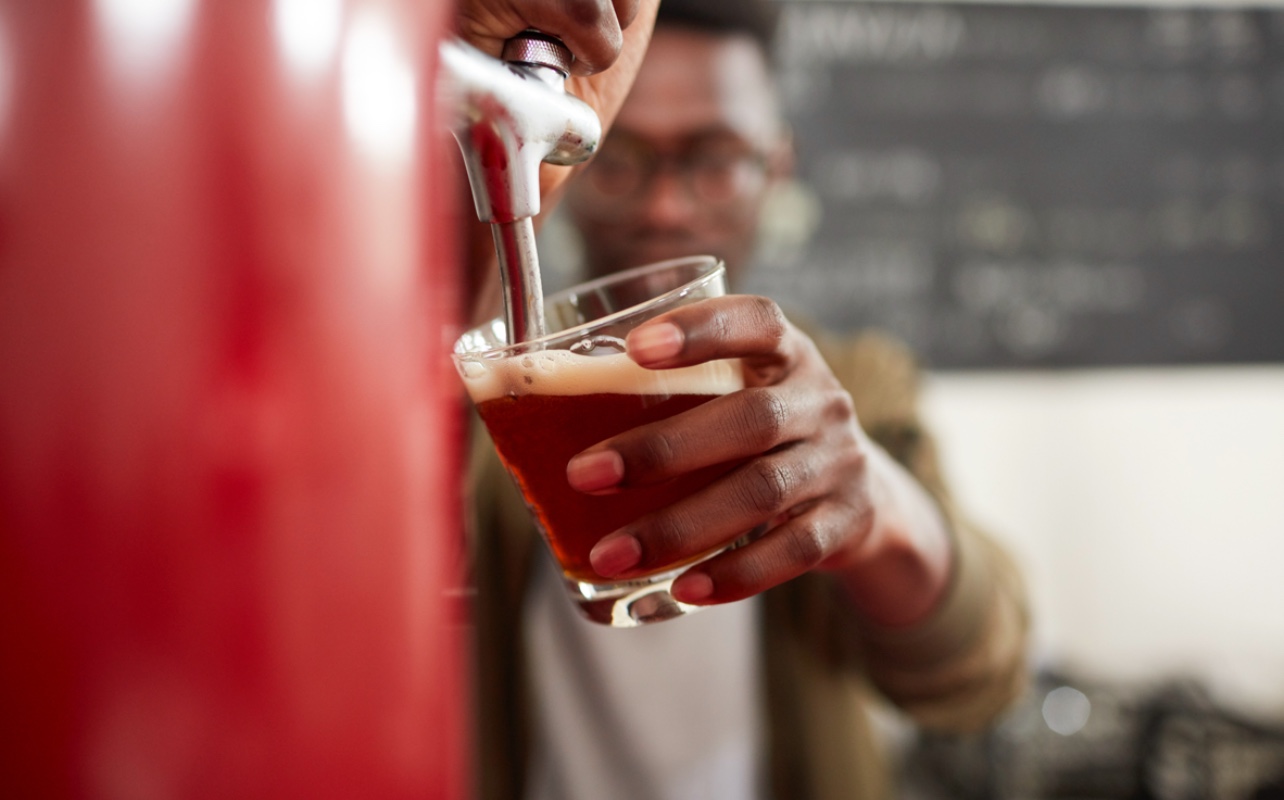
(715, 173)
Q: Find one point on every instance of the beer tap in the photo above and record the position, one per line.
(512, 115)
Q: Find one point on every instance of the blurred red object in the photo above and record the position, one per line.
(229, 524)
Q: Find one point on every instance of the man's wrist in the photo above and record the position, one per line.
(902, 571)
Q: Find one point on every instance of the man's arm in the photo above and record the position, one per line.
(965, 661)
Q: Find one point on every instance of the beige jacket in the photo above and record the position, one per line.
(957, 670)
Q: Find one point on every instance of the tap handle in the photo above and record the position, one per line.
(512, 117)
(534, 48)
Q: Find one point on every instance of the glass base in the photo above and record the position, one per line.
(629, 604)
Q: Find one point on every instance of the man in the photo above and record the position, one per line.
(868, 581)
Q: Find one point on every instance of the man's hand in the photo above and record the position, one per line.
(830, 497)
(600, 33)
(592, 29)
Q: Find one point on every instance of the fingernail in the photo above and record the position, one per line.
(655, 343)
(589, 472)
(692, 587)
(615, 554)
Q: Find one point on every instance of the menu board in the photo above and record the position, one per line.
(1056, 185)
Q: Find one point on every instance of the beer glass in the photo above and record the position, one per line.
(545, 400)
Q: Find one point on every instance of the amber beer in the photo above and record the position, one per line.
(541, 409)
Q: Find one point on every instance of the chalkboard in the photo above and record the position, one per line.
(1051, 185)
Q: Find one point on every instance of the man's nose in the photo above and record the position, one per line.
(667, 199)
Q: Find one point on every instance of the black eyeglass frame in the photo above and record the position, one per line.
(716, 174)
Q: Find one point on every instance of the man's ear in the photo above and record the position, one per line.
(782, 157)
(791, 212)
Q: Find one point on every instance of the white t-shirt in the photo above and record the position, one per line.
(668, 711)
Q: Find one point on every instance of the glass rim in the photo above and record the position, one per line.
(717, 268)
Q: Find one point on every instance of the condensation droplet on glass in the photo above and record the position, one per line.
(598, 346)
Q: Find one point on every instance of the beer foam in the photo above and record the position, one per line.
(562, 372)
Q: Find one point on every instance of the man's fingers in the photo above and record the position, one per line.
(593, 33)
(596, 35)
(787, 551)
(736, 326)
(734, 427)
(752, 495)
(592, 29)
(626, 11)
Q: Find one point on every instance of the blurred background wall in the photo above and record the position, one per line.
(1075, 213)
(1145, 507)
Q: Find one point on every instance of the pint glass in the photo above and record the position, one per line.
(545, 400)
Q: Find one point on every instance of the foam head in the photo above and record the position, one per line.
(563, 372)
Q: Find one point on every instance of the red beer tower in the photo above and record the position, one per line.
(228, 443)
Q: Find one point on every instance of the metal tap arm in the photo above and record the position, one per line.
(513, 115)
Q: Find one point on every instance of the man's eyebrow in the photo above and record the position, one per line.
(717, 134)
(711, 135)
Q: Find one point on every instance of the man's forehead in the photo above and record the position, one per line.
(694, 82)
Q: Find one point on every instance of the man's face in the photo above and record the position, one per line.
(689, 158)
